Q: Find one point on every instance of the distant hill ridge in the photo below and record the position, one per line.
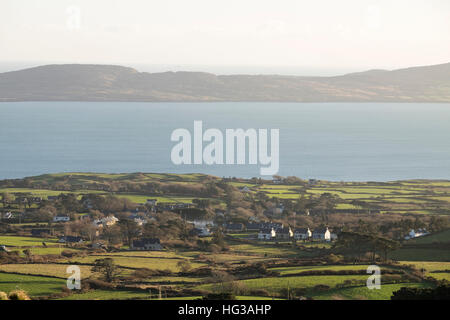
(85, 82)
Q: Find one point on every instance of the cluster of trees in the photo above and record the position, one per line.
(208, 187)
(361, 244)
(441, 292)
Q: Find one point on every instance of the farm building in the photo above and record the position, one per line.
(150, 244)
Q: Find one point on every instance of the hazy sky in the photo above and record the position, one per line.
(315, 37)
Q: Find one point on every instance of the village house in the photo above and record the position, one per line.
(234, 227)
(202, 223)
(284, 233)
(416, 233)
(70, 239)
(139, 221)
(149, 244)
(61, 219)
(302, 234)
(321, 234)
(106, 222)
(253, 226)
(99, 245)
(266, 234)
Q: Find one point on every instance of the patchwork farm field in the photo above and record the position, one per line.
(49, 270)
(413, 196)
(33, 285)
(13, 241)
(191, 266)
(363, 293)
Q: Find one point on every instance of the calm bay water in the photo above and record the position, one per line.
(333, 141)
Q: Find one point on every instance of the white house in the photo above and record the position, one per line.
(139, 221)
(267, 234)
(106, 222)
(61, 219)
(302, 234)
(321, 234)
(415, 234)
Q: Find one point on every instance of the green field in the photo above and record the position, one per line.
(363, 293)
(294, 270)
(137, 262)
(33, 285)
(441, 237)
(50, 270)
(417, 254)
(15, 241)
(275, 285)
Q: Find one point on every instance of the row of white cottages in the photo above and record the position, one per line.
(323, 234)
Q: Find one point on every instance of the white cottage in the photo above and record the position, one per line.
(321, 234)
(302, 234)
(266, 234)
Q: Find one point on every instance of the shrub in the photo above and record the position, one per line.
(321, 288)
(184, 265)
(259, 293)
(18, 295)
(219, 296)
(68, 254)
(334, 259)
(98, 284)
(3, 296)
